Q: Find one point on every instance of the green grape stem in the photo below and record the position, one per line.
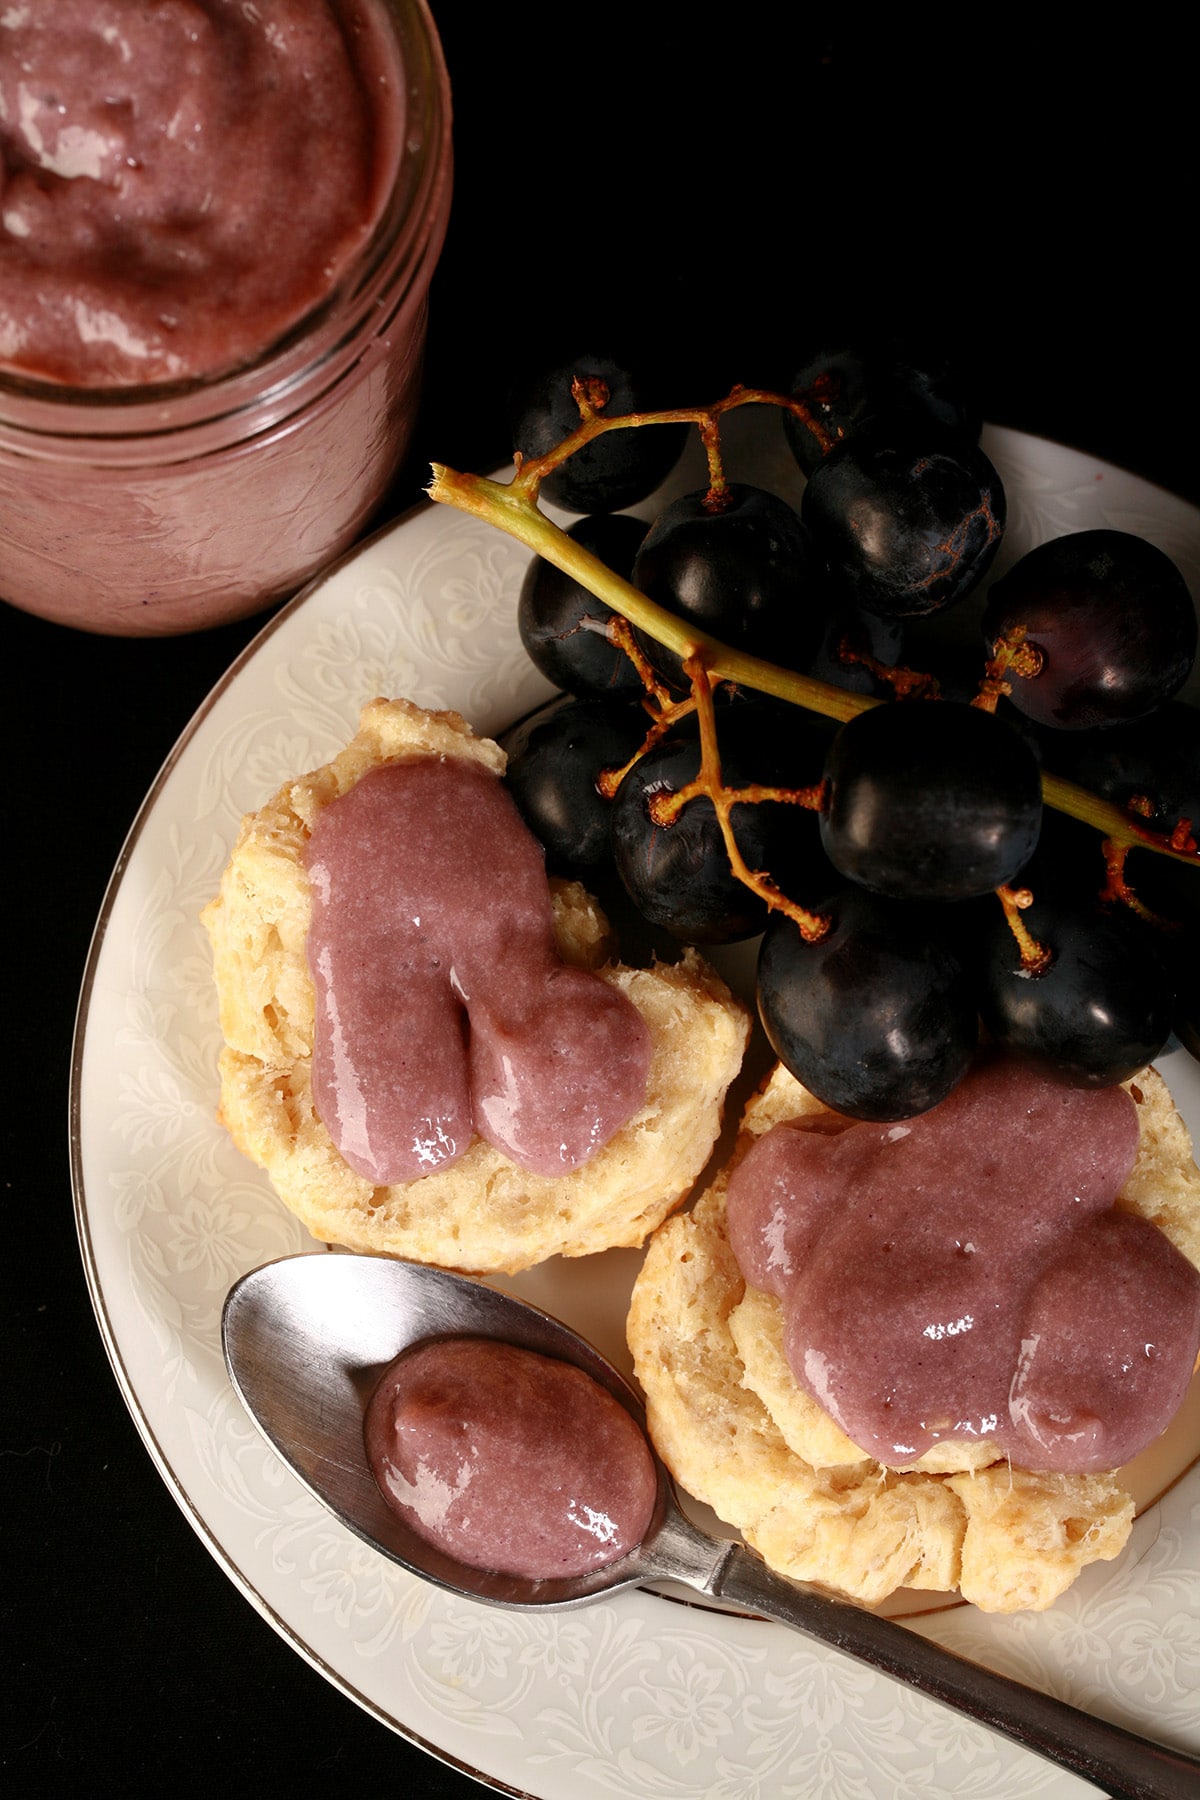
(512, 507)
(508, 508)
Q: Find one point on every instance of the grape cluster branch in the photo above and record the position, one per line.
(512, 507)
(665, 808)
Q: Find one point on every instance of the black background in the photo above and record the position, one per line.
(722, 195)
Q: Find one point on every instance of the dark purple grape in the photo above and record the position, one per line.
(564, 628)
(930, 800)
(554, 758)
(1112, 619)
(619, 468)
(1102, 1009)
(678, 876)
(905, 518)
(847, 386)
(743, 571)
(878, 1020)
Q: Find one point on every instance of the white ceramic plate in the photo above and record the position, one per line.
(641, 1696)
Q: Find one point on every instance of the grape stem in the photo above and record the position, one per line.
(505, 506)
(1035, 958)
(1009, 654)
(591, 396)
(512, 507)
(665, 808)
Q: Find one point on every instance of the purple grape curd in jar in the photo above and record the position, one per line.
(218, 225)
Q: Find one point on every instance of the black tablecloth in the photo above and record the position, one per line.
(719, 194)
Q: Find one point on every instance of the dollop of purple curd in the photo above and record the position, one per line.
(509, 1460)
(442, 1006)
(966, 1274)
(183, 182)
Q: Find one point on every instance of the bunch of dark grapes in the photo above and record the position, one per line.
(915, 894)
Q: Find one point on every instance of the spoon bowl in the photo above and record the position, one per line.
(306, 1340)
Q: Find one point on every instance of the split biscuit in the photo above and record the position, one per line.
(483, 1214)
(738, 1433)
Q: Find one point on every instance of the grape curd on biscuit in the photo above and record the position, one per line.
(404, 1093)
(869, 1351)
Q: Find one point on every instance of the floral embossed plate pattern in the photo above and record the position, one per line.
(640, 1695)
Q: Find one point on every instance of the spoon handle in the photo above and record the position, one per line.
(1124, 1765)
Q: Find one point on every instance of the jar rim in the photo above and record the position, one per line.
(279, 377)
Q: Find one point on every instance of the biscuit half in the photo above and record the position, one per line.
(483, 1214)
(739, 1434)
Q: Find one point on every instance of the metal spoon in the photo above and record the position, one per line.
(306, 1339)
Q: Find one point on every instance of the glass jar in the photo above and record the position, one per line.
(160, 509)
